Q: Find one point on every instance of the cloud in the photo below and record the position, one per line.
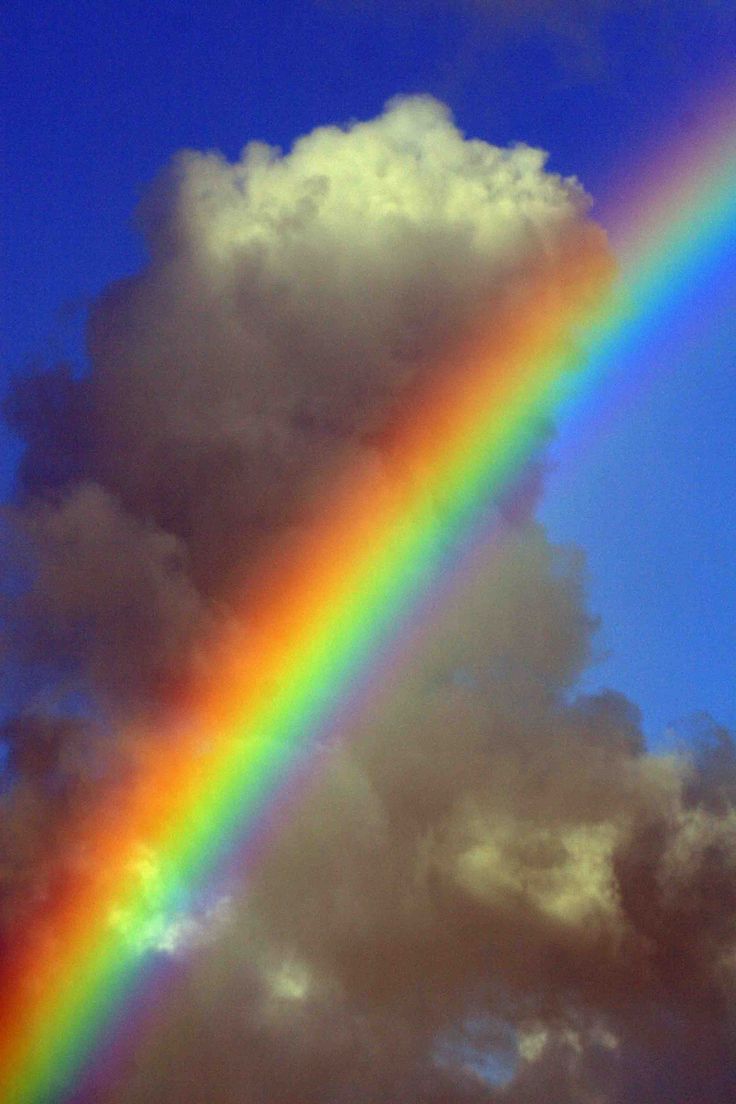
(489, 891)
(288, 304)
(573, 32)
(582, 34)
(486, 869)
(111, 591)
(568, 42)
(573, 28)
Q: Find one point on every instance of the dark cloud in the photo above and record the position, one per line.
(484, 866)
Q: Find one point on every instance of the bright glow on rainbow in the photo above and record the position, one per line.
(339, 599)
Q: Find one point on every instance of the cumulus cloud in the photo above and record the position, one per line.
(288, 304)
(489, 891)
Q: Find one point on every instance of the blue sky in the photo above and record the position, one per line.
(98, 96)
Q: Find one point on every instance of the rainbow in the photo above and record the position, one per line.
(344, 588)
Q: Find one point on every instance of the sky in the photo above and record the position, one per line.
(170, 408)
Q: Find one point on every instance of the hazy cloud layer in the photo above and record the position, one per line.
(571, 30)
(582, 34)
(489, 892)
(573, 27)
(579, 40)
